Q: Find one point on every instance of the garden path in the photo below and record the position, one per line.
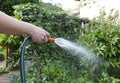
(4, 77)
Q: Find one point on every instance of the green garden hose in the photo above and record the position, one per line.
(22, 69)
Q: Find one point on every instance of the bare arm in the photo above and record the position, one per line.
(11, 25)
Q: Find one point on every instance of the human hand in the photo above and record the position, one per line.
(10, 25)
(39, 35)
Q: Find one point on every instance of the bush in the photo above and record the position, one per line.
(50, 18)
(1, 54)
(102, 36)
(2, 48)
(48, 62)
(7, 5)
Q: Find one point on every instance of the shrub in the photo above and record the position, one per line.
(7, 5)
(48, 62)
(102, 36)
(50, 18)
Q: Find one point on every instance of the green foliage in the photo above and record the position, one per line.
(55, 21)
(2, 47)
(13, 42)
(107, 79)
(53, 66)
(87, 2)
(48, 62)
(105, 41)
(2, 50)
(7, 5)
(103, 37)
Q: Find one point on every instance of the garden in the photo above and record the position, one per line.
(49, 63)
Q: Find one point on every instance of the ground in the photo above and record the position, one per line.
(4, 77)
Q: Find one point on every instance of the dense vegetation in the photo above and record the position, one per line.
(102, 36)
(7, 5)
(50, 64)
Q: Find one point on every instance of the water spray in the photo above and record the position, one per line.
(64, 44)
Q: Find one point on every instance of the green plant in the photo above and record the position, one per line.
(47, 62)
(107, 79)
(2, 48)
(7, 5)
(2, 53)
(13, 43)
(102, 37)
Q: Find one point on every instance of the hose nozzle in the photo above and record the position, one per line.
(51, 39)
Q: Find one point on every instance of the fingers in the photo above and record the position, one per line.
(44, 37)
(40, 35)
(40, 39)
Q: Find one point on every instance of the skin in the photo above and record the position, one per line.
(10, 25)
